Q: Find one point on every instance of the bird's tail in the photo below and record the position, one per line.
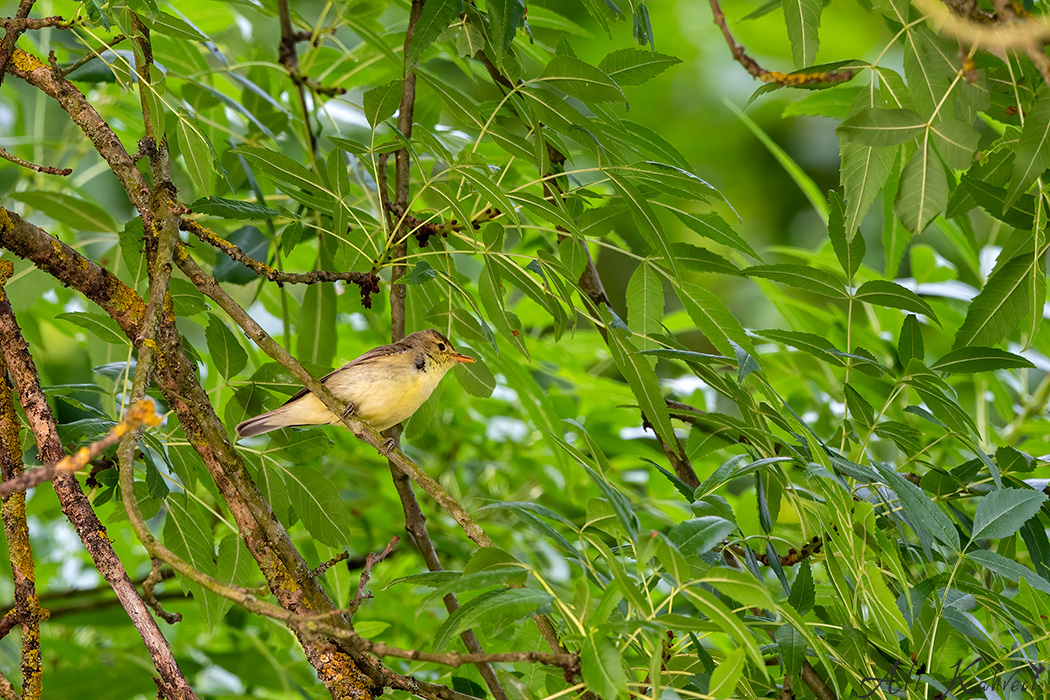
(264, 423)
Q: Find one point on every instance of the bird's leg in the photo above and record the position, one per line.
(349, 410)
(388, 445)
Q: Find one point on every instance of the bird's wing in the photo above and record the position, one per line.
(375, 353)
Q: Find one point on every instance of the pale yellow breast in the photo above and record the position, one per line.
(385, 393)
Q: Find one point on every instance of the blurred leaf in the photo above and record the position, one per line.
(316, 340)
(102, 327)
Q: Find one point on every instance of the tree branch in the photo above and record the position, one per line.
(75, 505)
(7, 46)
(48, 169)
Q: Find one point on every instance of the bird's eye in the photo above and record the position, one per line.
(441, 347)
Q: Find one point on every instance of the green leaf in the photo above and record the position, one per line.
(740, 585)
(924, 516)
(420, 273)
(1008, 568)
(808, 278)
(635, 66)
(713, 319)
(699, 536)
(601, 664)
(78, 214)
(196, 152)
(999, 307)
(225, 349)
(580, 80)
(1001, 513)
(185, 534)
(282, 169)
(714, 227)
(956, 142)
(254, 244)
(792, 647)
(863, 174)
(505, 19)
(494, 614)
(910, 345)
(316, 340)
(645, 304)
(891, 294)
(380, 103)
(849, 248)
(317, 502)
(875, 126)
(979, 359)
(923, 190)
(727, 674)
(232, 209)
(174, 27)
(1033, 149)
(811, 343)
(435, 18)
(642, 380)
(476, 378)
(99, 325)
(648, 224)
(802, 19)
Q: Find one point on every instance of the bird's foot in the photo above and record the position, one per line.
(349, 410)
(388, 446)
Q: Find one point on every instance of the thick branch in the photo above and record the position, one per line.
(76, 506)
(7, 46)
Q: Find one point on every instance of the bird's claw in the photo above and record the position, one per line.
(388, 445)
(349, 410)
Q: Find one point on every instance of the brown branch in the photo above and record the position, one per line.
(27, 610)
(48, 169)
(172, 683)
(7, 46)
(816, 684)
(326, 565)
(288, 56)
(23, 24)
(156, 575)
(140, 414)
(371, 560)
(368, 282)
(766, 76)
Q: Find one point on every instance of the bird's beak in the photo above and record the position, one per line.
(465, 359)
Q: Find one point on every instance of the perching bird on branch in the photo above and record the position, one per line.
(384, 386)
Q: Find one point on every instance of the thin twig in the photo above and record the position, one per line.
(326, 565)
(48, 169)
(140, 414)
(92, 55)
(366, 574)
(7, 46)
(23, 24)
(156, 575)
(766, 76)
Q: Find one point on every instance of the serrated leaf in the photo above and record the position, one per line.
(317, 502)
(924, 516)
(801, 277)
(196, 152)
(849, 248)
(580, 80)
(713, 319)
(645, 305)
(1033, 149)
(476, 378)
(802, 19)
(910, 345)
(893, 295)
(315, 340)
(648, 223)
(979, 359)
(956, 142)
(811, 343)
(635, 66)
(494, 614)
(505, 19)
(998, 308)
(923, 190)
(232, 209)
(699, 535)
(601, 664)
(714, 227)
(225, 349)
(1001, 513)
(99, 325)
(863, 174)
(727, 674)
(876, 126)
(1008, 568)
(435, 18)
(380, 103)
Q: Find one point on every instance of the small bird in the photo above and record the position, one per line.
(384, 386)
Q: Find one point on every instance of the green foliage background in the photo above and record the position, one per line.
(885, 401)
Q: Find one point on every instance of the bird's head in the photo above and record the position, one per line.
(438, 348)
